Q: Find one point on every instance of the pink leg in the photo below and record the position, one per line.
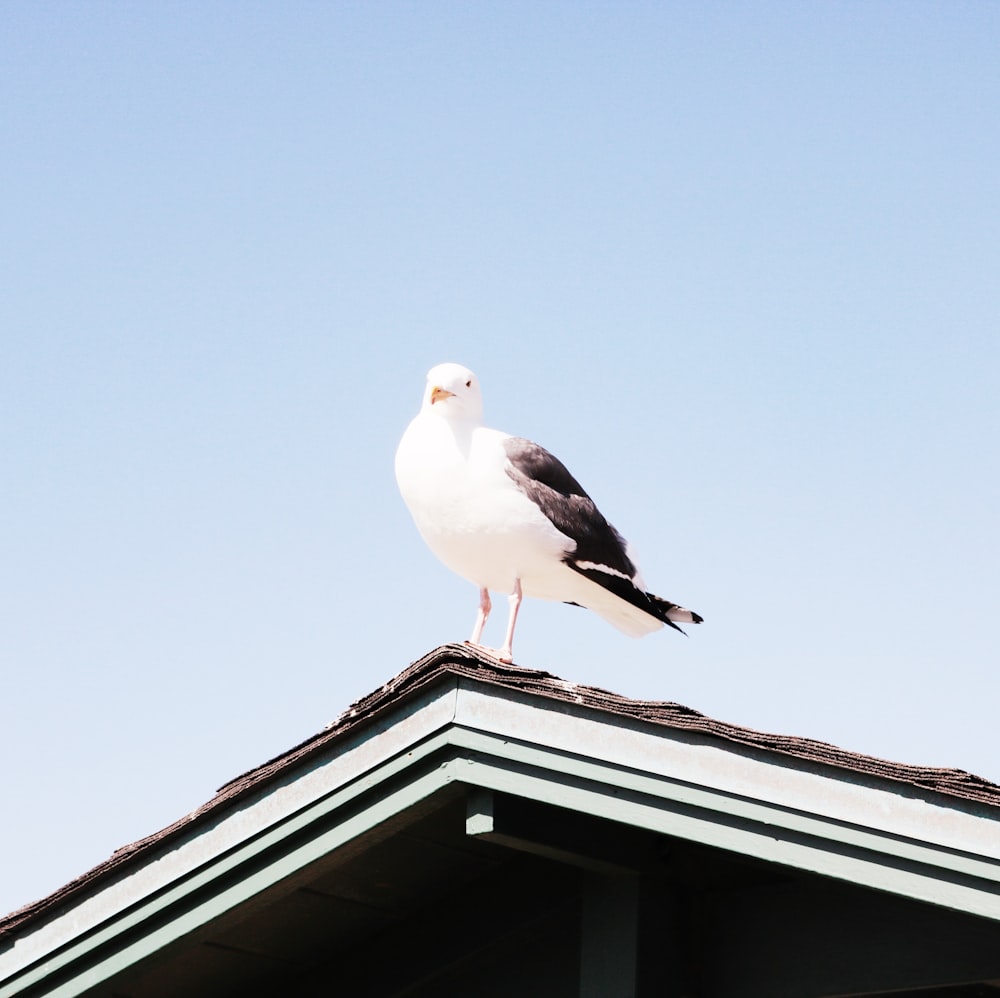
(506, 654)
(484, 611)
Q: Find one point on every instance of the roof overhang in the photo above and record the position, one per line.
(457, 731)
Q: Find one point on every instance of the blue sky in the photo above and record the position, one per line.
(735, 263)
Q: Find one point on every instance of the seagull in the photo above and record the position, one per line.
(505, 514)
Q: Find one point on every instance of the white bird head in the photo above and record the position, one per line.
(453, 392)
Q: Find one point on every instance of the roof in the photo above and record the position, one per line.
(464, 662)
(465, 783)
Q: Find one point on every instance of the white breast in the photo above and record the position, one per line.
(470, 512)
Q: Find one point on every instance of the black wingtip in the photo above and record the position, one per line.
(662, 608)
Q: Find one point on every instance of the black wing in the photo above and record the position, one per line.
(545, 480)
(600, 553)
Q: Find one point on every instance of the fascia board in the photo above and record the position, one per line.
(347, 770)
(775, 780)
(677, 785)
(869, 866)
(92, 961)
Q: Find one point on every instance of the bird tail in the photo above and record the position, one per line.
(669, 612)
(620, 602)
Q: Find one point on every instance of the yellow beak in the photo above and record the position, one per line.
(438, 394)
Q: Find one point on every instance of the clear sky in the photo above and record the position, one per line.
(737, 264)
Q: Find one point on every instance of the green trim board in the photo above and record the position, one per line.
(674, 807)
(216, 889)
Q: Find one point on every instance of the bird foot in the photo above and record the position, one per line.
(502, 655)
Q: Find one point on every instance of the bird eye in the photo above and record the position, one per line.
(468, 383)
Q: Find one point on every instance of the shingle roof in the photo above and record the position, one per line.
(463, 661)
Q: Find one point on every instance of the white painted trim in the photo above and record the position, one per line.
(866, 867)
(702, 761)
(272, 806)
